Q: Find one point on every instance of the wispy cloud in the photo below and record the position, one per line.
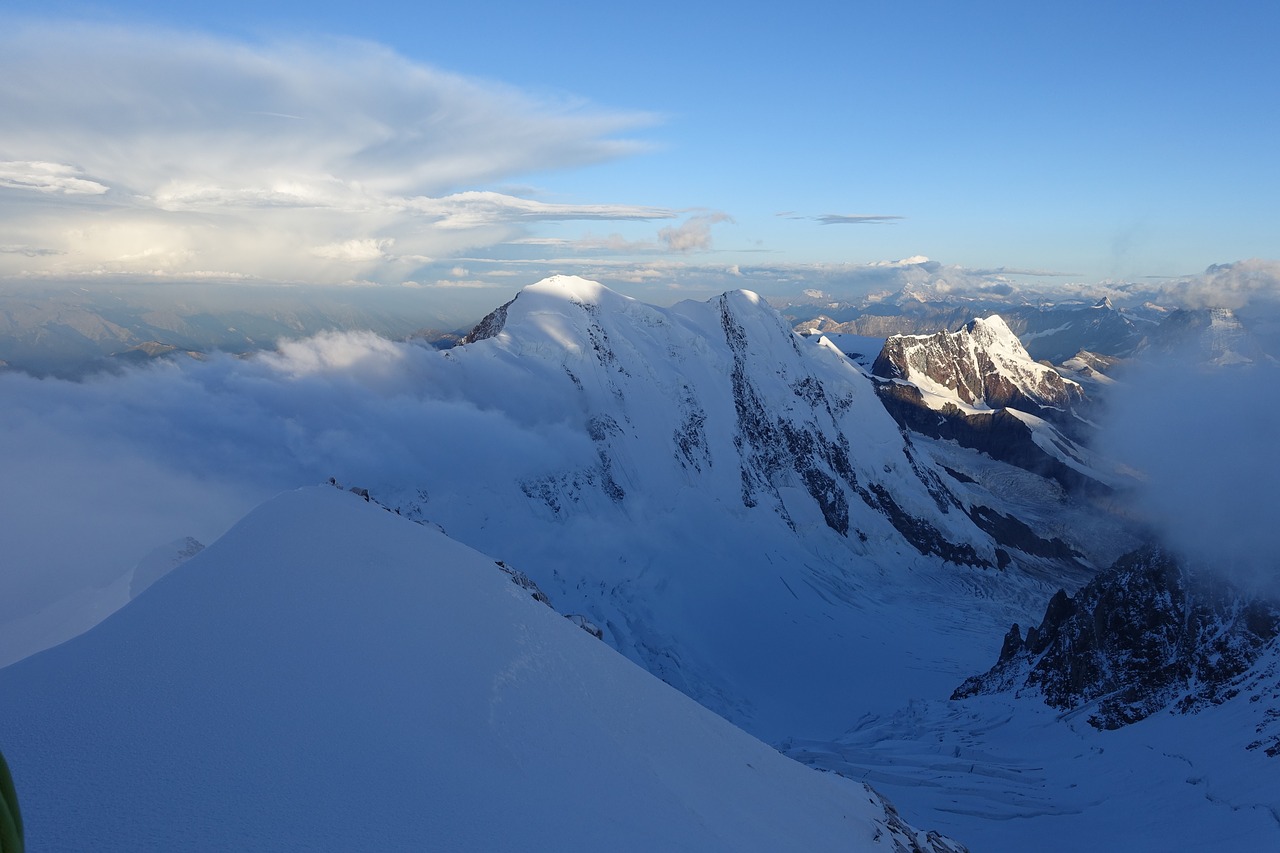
(1210, 467)
(855, 219)
(47, 178)
(1233, 285)
(473, 209)
(27, 251)
(145, 151)
(1038, 273)
(842, 218)
(355, 250)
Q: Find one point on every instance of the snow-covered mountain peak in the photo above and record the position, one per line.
(552, 296)
(982, 366)
(994, 334)
(575, 289)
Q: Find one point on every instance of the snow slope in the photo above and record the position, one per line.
(331, 676)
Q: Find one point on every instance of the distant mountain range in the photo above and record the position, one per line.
(73, 331)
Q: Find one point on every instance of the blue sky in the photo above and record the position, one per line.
(640, 141)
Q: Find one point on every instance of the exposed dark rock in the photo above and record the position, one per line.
(523, 581)
(922, 535)
(973, 364)
(690, 437)
(1141, 637)
(958, 476)
(1008, 530)
(491, 325)
(999, 434)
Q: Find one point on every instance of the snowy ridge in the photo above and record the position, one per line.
(1049, 332)
(1090, 370)
(737, 509)
(1056, 333)
(776, 430)
(334, 676)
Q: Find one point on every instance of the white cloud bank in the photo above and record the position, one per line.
(1205, 441)
(164, 153)
(98, 473)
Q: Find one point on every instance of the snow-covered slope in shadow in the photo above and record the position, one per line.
(331, 676)
(1144, 711)
(1012, 774)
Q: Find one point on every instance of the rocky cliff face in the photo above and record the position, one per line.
(983, 365)
(1142, 637)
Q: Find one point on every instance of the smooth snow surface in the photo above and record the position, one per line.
(329, 676)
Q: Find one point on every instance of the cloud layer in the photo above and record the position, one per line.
(98, 473)
(1205, 441)
(163, 153)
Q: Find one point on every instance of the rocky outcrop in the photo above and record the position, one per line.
(1143, 636)
(999, 434)
(491, 325)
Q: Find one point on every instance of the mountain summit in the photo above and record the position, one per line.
(980, 367)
